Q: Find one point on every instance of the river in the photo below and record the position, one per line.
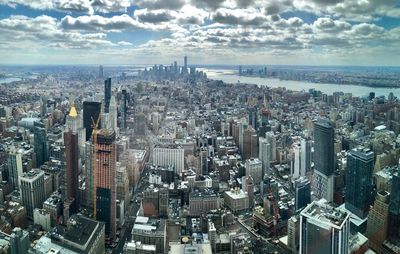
(231, 76)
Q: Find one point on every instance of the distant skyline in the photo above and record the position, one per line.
(224, 32)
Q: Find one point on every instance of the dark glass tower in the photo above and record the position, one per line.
(324, 138)
(303, 194)
(394, 206)
(91, 110)
(106, 189)
(72, 155)
(40, 144)
(360, 165)
(123, 110)
(253, 117)
(107, 95)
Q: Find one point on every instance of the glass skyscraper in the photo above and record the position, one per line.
(360, 165)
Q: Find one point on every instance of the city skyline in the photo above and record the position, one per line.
(229, 32)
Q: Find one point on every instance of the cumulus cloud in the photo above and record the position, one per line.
(156, 16)
(87, 6)
(238, 17)
(160, 4)
(214, 27)
(44, 31)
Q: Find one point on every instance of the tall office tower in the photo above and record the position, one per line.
(394, 206)
(113, 114)
(122, 179)
(272, 141)
(91, 112)
(14, 166)
(101, 71)
(378, 218)
(254, 169)
(89, 179)
(105, 170)
(123, 109)
(72, 120)
(19, 241)
(240, 70)
(107, 95)
(185, 66)
(32, 190)
(324, 159)
(293, 230)
(40, 144)
(175, 67)
(324, 229)
(265, 113)
(253, 117)
(296, 163)
(305, 166)
(250, 140)
(250, 190)
(72, 167)
(204, 161)
(360, 164)
(302, 194)
(163, 198)
(264, 153)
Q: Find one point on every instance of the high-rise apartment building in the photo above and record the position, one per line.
(14, 166)
(105, 180)
(40, 144)
(360, 165)
(302, 194)
(72, 166)
(324, 229)
(378, 221)
(324, 159)
(32, 190)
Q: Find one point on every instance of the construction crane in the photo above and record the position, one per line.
(95, 126)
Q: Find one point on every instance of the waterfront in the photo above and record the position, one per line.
(231, 76)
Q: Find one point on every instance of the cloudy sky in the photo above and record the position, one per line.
(312, 32)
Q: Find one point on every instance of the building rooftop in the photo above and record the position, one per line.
(326, 214)
(148, 226)
(236, 194)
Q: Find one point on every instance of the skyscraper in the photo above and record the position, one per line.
(360, 164)
(324, 229)
(107, 94)
(19, 241)
(14, 166)
(394, 206)
(123, 109)
(72, 167)
(185, 67)
(305, 166)
(105, 180)
(40, 144)
(377, 227)
(253, 117)
(113, 114)
(91, 112)
(32, 190)
(264, 153)
(303, 194)
(324, 159)
(101, 71)
(324, 135)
